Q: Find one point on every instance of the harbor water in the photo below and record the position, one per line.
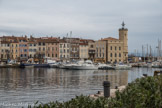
(28, 85)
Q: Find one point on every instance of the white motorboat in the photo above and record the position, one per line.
(54, 65)
(147, 65)
(87, 65)
(105, 67)
(122, 66)
(70, 66)
(51, 63)
(156, 64)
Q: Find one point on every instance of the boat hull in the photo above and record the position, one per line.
(34, 65)
(84, 68)
(106, 68)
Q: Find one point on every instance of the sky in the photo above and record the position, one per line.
(89, 19)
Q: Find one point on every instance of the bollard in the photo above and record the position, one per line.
(106, 85)
(99, 92)
(145, 75)
(116, 87)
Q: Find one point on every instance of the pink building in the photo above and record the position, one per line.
(52, 48)
(23, 48)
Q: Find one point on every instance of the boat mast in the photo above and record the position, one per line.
(70, 50)
(143, 51)
(150, 54)
(159, 50)
(147, 52)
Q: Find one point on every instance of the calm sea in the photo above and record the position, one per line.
(20, 87)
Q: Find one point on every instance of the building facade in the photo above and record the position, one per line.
(117, 49)
(52, 46)
(104, 50)
(91, 50)
(100, 53)
(83, 51)
(33, 48)
(64, 50)
(14, 50)
(5, 51)
(23, 48)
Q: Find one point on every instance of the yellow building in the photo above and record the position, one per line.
(123, 36)
(83, 51)
(117, 49)
(5, 50)
(14, 50)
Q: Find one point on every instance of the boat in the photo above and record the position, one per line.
(46, 64)
(105, 67)
(26, 65)
(87, 65)
(147, 65)
(122, 66)
(67, 65)
(156, 64)
(54, 65)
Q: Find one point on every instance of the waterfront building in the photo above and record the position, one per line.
(5, 51)
(74, 47)
(52, 48)
(41, 52)
(100, 53)
(83, 51)
(33, 48)
(8, 38)
(23, 48)
(91, 50)
(74, 50)
(64, 50)
(14, 50)
(123, 36)
(117, 49)
(104, 50)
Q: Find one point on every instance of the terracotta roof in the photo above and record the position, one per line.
(62, 41)
(5, 42)
(88, 40)
(31, 42)
(14, 42)
(83, 44)
(9, 37)
(49, 37)
(109, 38)
(48, 40)
(51, 41)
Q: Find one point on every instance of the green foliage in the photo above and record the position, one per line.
(142, 93)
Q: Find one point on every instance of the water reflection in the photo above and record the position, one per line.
(46, 84)
(39, 77)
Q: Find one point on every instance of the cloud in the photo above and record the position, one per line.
(87, 19)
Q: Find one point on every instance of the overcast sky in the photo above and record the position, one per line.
(91, 19)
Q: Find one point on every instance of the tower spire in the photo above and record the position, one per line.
(123, 24)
